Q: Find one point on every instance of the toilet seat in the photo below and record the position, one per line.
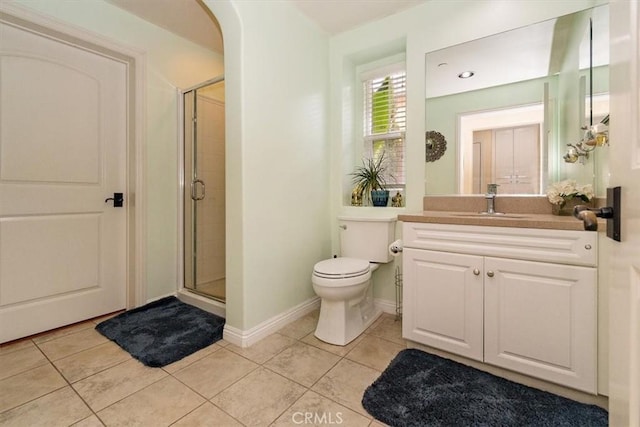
(341, 268)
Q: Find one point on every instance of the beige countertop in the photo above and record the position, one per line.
(520, 212)
(519, 220)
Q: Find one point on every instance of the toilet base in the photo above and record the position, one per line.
(339, 323)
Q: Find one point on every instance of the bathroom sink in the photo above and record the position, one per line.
(488, 215)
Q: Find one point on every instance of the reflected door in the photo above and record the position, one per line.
(204, 200)
(517, 159)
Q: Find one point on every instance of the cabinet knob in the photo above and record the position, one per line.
(490, 273)
(587, 247)
(476, 271)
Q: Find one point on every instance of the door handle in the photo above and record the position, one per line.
(118, 199)
(194, 194)
(611, 213)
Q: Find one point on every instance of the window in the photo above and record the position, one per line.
(385, 120)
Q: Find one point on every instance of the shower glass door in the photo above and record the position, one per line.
(204, 190)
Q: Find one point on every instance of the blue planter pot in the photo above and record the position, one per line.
(380, 197)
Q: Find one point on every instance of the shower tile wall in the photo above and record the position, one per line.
(210, 264)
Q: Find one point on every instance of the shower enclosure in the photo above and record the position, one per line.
(204, 189)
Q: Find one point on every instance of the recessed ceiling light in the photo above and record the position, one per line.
(466, 74)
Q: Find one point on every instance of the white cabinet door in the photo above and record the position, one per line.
(540, 319)
(443, 300)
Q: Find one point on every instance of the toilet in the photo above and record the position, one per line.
(344, 283)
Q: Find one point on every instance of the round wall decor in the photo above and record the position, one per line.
(435, 145)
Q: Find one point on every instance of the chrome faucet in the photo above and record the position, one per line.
(492, 191)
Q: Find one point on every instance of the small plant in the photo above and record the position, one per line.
(370, 176)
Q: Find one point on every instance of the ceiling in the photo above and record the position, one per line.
(193, 21)
(337, 16)
(189, 19)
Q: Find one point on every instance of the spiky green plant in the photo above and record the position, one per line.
(371, 175)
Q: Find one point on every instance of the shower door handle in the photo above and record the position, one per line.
(194, 192)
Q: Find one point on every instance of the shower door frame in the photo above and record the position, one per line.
(210, 304)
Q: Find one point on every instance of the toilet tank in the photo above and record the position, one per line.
(367, 238)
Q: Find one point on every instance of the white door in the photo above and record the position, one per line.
(62, 153)
(517, 159)
(503, 160)
(526, 159)
(624, 277)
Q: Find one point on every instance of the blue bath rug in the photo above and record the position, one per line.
(163, 331)
(420, 389)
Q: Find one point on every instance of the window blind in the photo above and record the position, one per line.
(385, 122)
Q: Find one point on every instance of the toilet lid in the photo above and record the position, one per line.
(341, 268)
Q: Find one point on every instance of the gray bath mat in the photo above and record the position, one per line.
(163, 331)
(420, 389)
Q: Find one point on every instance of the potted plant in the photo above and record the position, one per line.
(370, 179)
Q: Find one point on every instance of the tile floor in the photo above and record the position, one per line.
(75, 376)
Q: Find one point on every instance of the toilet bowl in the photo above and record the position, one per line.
(346, 309)
(344, 284)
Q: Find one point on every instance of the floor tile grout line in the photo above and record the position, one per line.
(95, 412)
(69, 384)
(202, 395)
(307, 389)
(125, 397)
(44, 362)
(225, 412)
(50, 363)
(14, 343)
(261, 365)
(93, 373)
(70, 354)
(57, 333)
(310, 388)
(206, 401)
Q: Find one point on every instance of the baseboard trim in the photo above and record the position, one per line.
(387, 306)
(251, 336)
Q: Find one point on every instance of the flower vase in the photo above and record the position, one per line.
(566, 209)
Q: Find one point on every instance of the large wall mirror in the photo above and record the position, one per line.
(509, 104)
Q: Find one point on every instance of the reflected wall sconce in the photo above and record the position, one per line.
(594, 136)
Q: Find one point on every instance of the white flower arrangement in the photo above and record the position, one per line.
(560, 193)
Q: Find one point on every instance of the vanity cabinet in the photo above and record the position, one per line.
(521, 299)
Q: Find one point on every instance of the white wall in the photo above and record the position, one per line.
(172, 62)
(276, 68)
